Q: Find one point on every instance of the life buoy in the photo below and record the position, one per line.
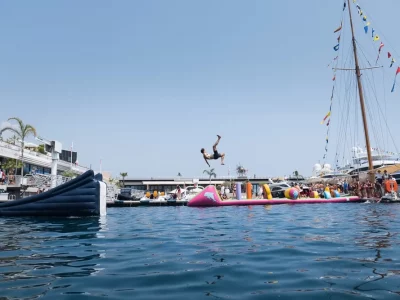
(391, 185)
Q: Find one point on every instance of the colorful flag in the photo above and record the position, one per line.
(326, 117)
(366, 29)
(376, 38)
(344, 5)
(339, 28)
(389, 55)
(373, 32)
(381, 46)
(336, 48)
(394, 83)
(393, 61)
(333, 61)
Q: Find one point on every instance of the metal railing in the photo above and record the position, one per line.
(35, 180)
(45, 181)
(111, 192)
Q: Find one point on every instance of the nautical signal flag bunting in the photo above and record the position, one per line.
(395, 77)
(376, 37)
(326, 117)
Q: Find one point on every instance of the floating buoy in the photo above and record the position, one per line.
(292, 193)
(391, 185)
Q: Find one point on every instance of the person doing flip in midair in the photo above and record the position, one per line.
(216, 155)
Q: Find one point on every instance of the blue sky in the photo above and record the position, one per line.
(145, 84)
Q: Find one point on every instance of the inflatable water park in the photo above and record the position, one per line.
(210, 197)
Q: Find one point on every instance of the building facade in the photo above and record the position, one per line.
(35, 162)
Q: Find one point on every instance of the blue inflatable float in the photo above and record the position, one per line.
(84, 195)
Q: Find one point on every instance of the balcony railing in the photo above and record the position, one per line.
(40, 181)
(44, 182)
(33, 157)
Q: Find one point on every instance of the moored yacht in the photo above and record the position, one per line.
(359, 163)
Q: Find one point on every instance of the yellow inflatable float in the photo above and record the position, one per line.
(267, 191)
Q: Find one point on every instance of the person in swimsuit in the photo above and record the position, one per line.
(216, 155)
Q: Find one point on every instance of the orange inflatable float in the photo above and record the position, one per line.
(391, 185)
(249, 190)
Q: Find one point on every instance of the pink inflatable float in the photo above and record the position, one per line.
(210, 197)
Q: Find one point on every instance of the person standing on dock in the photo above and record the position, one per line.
(216, 155)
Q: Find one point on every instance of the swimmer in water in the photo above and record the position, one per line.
(216, 155)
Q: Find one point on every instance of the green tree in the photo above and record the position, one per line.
(210, 173)
(40, 149)
(123, 175)
(296, 173)
(114, 181)
(68, 173)
(22, 132)
(12, 164)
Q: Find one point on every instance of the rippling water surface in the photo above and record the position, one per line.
(328, 251)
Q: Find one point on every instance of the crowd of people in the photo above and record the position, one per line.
(355, 187)
(351, 187)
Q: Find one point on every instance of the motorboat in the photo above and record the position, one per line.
(278, 189)
(192, 191)
(3, 194)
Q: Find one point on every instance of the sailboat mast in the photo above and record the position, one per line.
(360, 92)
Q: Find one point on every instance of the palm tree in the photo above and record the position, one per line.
(210, 173)
(123, 175)
(296, 173)
(12, 140)
(22, 131)
(179, 174)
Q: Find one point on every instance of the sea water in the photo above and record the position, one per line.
(319, 251)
